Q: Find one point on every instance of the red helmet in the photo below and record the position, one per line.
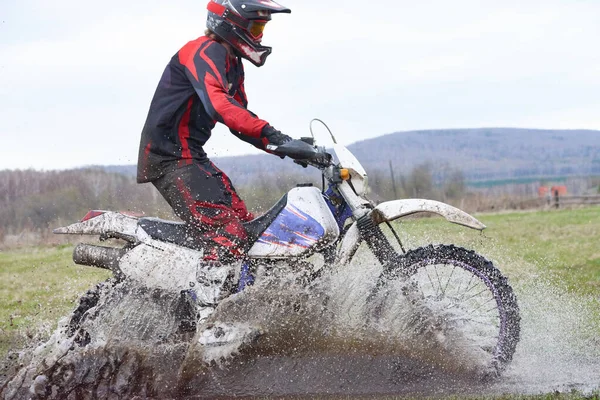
(241, 23)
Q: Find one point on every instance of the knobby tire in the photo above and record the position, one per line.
(403, 266)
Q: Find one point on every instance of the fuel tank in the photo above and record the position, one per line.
(305, 225)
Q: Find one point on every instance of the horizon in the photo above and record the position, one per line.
(262, 153)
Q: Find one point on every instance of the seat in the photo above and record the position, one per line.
(181, 234)
(257, 226)
(172, 232)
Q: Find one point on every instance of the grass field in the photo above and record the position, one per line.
(564, 245)
(37, 287)
(40, 285)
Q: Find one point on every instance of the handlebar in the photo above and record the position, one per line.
(303, 152)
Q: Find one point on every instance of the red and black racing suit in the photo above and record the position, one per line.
(202, 85)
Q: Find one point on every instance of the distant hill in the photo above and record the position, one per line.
(489, 153)
(481, 154)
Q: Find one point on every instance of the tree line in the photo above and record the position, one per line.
(39, 201)
(43, 200)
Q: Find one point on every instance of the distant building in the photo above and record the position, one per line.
(545, 191)
(558, 190)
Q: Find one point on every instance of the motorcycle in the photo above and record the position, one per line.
(332, 222)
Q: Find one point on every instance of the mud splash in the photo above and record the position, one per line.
(560, 346)
(316, 341)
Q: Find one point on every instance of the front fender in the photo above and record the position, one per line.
(391, 210)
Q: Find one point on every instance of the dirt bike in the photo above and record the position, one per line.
(332, 222)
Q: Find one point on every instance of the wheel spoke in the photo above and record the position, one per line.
(471, 288)
(431, 281)
(449, 278)
(468, 287)
(481, 305)
(475, 295)
(438, 279)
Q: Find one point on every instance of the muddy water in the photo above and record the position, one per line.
(316, 340)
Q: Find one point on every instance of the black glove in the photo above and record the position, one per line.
(271, 135)
(323, 158)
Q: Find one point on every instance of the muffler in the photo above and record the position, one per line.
(98, 256)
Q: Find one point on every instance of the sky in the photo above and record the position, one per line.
(77, 77)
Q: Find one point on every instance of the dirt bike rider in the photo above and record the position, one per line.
(204, 84)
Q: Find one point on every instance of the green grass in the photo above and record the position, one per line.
(561, 244)
(38, 286)
(564, 243)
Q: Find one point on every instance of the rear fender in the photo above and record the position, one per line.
(107, 223)
(392, 210)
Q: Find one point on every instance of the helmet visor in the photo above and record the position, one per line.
(256, 28)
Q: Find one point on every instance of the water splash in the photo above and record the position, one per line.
(316, 341)
(560, 344)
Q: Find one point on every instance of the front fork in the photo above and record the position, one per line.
(376, 240)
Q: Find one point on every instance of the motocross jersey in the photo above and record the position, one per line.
(201, 85)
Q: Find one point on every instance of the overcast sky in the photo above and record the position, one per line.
(77, 77)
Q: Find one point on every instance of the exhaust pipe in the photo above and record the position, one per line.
(98, 256)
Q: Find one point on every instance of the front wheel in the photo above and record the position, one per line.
(461, 289)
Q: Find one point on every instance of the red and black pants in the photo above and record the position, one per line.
(203, 197)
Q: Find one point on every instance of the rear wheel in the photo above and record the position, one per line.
(88, 301)
(464, 290)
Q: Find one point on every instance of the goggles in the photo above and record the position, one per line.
(256, 28)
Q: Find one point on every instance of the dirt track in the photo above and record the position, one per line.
(125, 373)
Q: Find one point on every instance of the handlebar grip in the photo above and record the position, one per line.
(302, 153)
(295, 149)
(323, 157)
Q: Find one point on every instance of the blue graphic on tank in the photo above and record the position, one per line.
(293, 227)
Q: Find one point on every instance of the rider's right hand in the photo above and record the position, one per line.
(272, 136)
